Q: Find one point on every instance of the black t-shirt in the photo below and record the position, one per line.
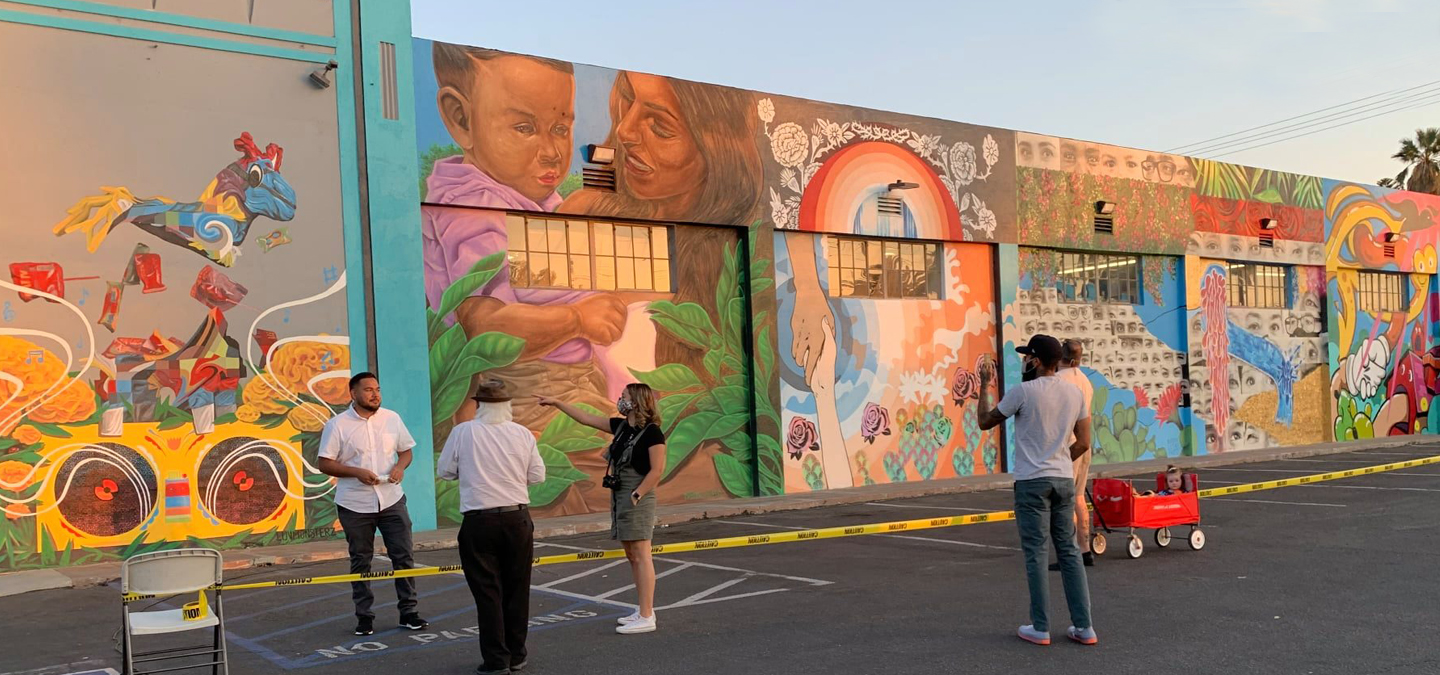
(639, 459)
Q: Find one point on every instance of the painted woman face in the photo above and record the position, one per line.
(659, 158)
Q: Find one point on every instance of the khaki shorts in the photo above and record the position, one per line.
(1082, 473)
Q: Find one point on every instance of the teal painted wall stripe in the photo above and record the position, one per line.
(1007, 271)
(153, 16)
(397, 271)
(350, 201)
(149, 35)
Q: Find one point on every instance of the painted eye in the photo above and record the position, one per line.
(253, 177)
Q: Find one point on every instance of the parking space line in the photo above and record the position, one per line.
(928, 506)
(627, 587)
(956, 542)
(1267, 501)
(588, 572)
(1373, 487)
(707, 593)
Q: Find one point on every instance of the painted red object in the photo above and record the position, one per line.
(1117, 505)
(47, 276)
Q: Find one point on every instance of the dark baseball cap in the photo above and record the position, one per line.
(1042, 347)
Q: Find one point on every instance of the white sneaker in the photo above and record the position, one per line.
(644, 624)
(632, 618)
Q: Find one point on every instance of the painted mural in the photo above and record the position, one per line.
(172, 341)
(1134, 353)
(507, 133)
(1383, 359)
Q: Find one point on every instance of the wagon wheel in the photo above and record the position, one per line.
(1135, 547)
(1197, 539)
(1162, 537)
(1097, 543)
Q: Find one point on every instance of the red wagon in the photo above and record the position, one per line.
(1114, 504)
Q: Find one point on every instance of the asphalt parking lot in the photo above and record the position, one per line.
(1335, 577)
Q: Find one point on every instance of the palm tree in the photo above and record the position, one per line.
(1421, 156)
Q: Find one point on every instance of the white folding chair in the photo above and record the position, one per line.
(186, 570)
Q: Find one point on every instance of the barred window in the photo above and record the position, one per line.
(582, 254)
(1256, 285)
(1382, 292)
(874, 268)
(1096, 277)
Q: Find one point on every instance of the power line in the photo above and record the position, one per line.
(1308, 114)
(1413, 106)
(1369, 107)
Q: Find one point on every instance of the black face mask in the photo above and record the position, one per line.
(1031, 371)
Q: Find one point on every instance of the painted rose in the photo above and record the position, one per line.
(964, 385)
(14, 475)
(789, 143)
(962, 163)
(942, 429)
(26, 435)
(875, 422)
(801, 436)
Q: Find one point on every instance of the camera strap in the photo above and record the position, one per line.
(616, 463)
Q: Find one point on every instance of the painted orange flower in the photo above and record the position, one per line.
(26, 434)
(14, 475)
(36, 368)
(297, 363)
(73, 403)
(17, 511)
(308, 417)
(247, 413)
(262, 397)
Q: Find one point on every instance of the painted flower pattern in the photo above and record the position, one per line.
(789, 144)
(26, 434)
(964, 385)
(991, 150)
(963, 167)
(801, 436)
(875, 422)
(766, 110)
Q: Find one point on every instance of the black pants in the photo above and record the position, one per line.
(394, 526)
(496, 551)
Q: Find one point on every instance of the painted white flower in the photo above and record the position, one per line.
(767, 110)
(834, 134)
(986, 218)
(962, 163)
(787, 178)
(1365, 369)
(926, 145)
(789, 143)
(991, 150)
(967, 222)
(778, 213)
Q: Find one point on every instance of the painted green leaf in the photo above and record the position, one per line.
(444, 353)
(6, 443)
(735, 323)
(671, 407)
(479, 275)
(1269, 196)
(559, 475)
(174, 422)
(434, 326)
(738, 443)
(764, 357)
(708, 403)
(669, 377)
(561, 427)
(734, 475)
(49, 429)
(687, 313)
(692, 431)
(732, 400)
(570, 445)
(727, 286)
(487, 351)
(712, 362)
(685, 333)
(446, 399)
(759, 285)
(47, 548)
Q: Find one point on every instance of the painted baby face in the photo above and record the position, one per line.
(520, 116)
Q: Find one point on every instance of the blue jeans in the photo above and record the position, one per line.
(1048, 504)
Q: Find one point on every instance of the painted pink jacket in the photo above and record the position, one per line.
(454, 239)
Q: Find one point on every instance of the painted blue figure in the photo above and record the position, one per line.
(214, 225)
(1282, 367)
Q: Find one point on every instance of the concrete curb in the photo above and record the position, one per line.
(330, 550)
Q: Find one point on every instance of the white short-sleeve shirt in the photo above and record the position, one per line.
(1045, 410)
(373, 443)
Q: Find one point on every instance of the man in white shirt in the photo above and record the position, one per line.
(1072, 352)
(1047, 411)
(495, 460)
(367, 448)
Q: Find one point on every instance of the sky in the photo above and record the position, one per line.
(1151, 74)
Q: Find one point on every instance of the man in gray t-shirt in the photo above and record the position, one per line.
(1047, 411)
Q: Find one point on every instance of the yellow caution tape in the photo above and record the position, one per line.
(801, 535)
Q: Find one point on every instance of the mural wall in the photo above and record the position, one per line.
(173, 333)
(1383, 359)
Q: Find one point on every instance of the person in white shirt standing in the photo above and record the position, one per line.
(496, 460)
(1072, 353)
(1047, 411)
(367, 448)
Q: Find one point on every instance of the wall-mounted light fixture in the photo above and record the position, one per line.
(1269, 223)
(1391, 237)
(321, 78)
(1104, 208)
(902, 185)
(599, 154)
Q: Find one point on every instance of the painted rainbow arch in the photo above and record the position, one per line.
(859, 172)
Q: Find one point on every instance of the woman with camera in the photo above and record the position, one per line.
(636, 462)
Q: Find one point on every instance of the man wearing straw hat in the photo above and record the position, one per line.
(495, 459)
